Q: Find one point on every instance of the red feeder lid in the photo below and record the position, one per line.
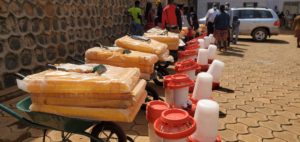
(154, 110)
(177, 81)
(192, 46)
(174, 124)
(182, 54)
(186, 65)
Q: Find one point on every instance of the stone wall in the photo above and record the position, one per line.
(34, 33)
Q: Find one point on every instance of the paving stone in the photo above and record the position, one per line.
(141, 118)
(262, 132)
(249, 138)
(249, 122)
(142, 130)
(273, 140)
(228, 135)
(126, 126)
(274, 106)
(263, 100)
(36, 132)
(79, 138)
(229, 119)
(40, 139)
(266, 111)
(271, 125)
(141, 139)
(255, 104)
(258, 116)
(295, 110)
(287, 136)
(237, 113)
(239, 128)
(292, 128)
(288, 114)
(246, 108)
(295, 122)
(280, 119)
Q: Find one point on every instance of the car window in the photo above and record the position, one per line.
(245, 14)
(263, 14)
(250, 14)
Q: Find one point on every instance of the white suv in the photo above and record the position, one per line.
(257, 22)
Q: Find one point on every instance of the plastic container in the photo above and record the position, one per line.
(177, 90)
(206, 117)
(203, 87)
(201, 43)
(216, 69)
(188, 67)
(187, 54)
(206, 41)
(153, 112)
(212, 52)
(202, 58)
(175, 125)
(212, 39)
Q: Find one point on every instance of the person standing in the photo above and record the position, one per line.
(235, 31)
(210, 17)
(297, 29)
(228, 11)
(171, 18)
(137, 21)
(159, 11)
(193, 20)
(222, 25)
(149, 16)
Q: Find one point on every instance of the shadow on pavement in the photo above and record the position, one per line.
(276, 41)
(226, 90)
(232, 53)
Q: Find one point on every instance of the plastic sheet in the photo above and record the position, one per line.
(151, 46)
(169, 38)
(73, 80)
(92, 100)
(144, 61)
(98, 114)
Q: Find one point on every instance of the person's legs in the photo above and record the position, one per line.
(298, 42)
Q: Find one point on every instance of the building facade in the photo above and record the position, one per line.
(287, 6)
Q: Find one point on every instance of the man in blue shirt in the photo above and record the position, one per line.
(222, 25)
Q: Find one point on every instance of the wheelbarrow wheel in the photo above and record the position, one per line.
(159, 80)
(109, 132)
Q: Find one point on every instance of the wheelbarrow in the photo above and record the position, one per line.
(101, 130)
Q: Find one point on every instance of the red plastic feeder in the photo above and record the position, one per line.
(154, 110)
(187, 54)
(219, 139)
(203, 68)
(216, 85)
(210, 61)
(188, 67)
(175, 124)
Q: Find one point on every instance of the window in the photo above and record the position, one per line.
(250, 4)
(210, 5)
(246, 14)
(263, 14)
(250, 14)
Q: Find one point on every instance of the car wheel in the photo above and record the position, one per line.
(260, 34)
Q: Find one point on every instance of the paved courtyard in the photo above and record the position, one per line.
(260, 96)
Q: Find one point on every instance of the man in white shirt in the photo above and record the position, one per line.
(210, 18)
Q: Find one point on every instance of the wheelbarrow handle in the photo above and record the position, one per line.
(19, 117)
(11, 112)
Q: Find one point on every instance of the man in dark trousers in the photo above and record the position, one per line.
(171, 18)
(210, 18)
